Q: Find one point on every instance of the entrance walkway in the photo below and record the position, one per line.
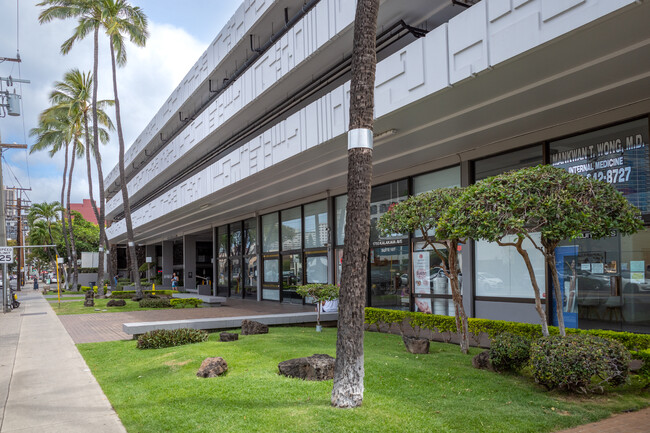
(45, 385)
(93, 328)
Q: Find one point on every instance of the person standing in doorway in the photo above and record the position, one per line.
(174, 281)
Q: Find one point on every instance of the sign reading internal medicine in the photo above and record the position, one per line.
(618, 155)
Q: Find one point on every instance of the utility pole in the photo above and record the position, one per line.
(3, 223)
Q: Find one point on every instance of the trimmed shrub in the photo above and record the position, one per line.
(509, 352)
(171, 337)
(185, 302)
(154, 303)
(643, 355)
(570, 363)
(128, 294)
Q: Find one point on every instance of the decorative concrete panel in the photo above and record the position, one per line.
(308, 36)
(468, 51)
(516, 26)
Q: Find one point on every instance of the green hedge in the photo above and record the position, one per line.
(643, 355)
(154, 303)
(128, 294)
(436, 323)
(168, 338)
(185, 302)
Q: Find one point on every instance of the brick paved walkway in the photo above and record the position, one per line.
(97, 327)
(633, 422)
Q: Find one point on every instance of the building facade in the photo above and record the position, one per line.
(240, 178)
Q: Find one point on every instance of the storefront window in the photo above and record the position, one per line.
(291, 229)
(528, 157)
(250, 236)
(270, 233)
(250, 278)
(389, 277)
(431, 287)
(383, 198)
(316, 232)
(446, 178)
(501, 271)
(235, 239)
(617, 155)
(291, 277)
(271, 270)
(235, 276)
(316, 269)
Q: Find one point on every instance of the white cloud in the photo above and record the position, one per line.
(144, 84)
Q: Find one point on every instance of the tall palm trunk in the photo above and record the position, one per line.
(101, 212)
(64, 230)
(73, 247)
(100, 287)
(135, 277)
(349, 370)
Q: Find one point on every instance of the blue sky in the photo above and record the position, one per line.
(180, 31)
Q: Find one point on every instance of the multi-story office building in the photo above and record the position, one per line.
(241, 176)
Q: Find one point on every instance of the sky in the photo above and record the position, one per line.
(179, 32)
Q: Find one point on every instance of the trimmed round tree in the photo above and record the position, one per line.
(423, 212)
(320, 293)
(546, 200)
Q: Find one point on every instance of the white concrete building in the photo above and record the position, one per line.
(246, 160)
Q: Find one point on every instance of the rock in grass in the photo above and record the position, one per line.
(212, 367)
(116, 303)
(315, 367)
(482, 361)
(251, 327)
(89, 300)
(416, 345)
(228, 336)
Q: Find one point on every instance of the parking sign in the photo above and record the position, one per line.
(6, 255)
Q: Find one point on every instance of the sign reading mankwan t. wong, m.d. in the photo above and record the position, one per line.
(618, 155)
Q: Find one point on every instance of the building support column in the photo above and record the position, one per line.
(189, 262)
(167, 262)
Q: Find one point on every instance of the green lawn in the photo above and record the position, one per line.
(158, 391)
(77, 307)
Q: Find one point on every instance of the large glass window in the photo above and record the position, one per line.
(446, 178)
(389, 279)
(431, 287)
(316, 269)
(528, 157)
(270, 233)
(617, 155)
(235, 239)
(316, 232)
(291, 229)
(382, 198)
(250, 278)
(291, 277)
(501, 271)
(250, 236)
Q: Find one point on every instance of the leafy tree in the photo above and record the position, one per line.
(43, 219)
(423, 212)
(86, 233)
(348, 370)
(546, 200)
(320, 293)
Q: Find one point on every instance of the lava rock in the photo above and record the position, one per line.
(315, 367)
(116, 303)
(482, 361)
(212, 367)
(228, 336)
(251, 327)
(89, 301)
(416, 345)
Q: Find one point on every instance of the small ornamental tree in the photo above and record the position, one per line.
(423, 212)
(546, 200)
(321, 293)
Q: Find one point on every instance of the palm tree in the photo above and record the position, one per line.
(120, 19)
(42, 218)
(348, 371)
(89, 14)
(74, 92)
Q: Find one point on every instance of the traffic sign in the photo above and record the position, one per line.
(6, 255)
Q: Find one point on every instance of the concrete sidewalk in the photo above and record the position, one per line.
(45, 384)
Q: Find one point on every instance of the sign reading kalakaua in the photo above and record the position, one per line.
(618, 155)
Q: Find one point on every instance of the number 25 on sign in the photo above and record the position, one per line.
(6, 255)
